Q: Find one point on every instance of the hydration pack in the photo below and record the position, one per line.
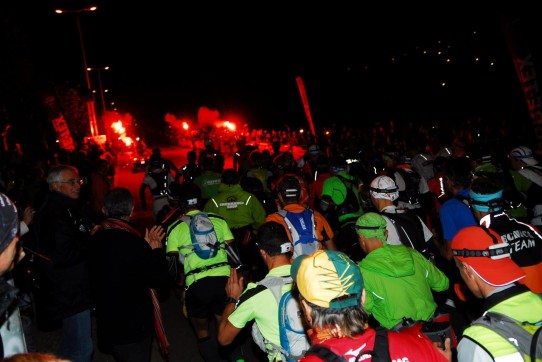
(303, 231)
(294, 341)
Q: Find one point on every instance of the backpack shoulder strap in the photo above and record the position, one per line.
(381, 347)
(324, 353)
(275, 283)
(508, 327)
(174, 224)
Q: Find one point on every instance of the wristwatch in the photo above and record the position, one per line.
(230, 300)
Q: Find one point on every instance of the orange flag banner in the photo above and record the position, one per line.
(517, 37)
(304, 99)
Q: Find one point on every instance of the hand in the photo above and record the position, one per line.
(155, 236)
(445, 348)
(235, 285)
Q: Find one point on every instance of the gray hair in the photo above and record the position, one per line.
(55, 174)
(341, 322)
(118, 203)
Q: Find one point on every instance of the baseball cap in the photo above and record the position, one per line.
(289, 187)
(484, 250)
(9, 221)
(383, 187)
(328, 279)
(372, 225)
(523, 154)
(272, 238)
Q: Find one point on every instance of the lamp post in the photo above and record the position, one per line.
(101, 89)
(90, 104)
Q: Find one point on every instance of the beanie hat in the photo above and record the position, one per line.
(372, 225)
(9, 220)
(383, 187)
(484, 250)
(523, 154)
(328, 279)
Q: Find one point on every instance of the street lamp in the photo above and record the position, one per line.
(101, 89)
(90, 104)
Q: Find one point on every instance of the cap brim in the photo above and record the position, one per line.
(495, 272)
(295, 266)
(530, 161)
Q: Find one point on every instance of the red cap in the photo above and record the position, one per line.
(484, 250)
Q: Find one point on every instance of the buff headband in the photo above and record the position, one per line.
(482, 202)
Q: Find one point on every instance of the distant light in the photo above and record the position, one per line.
(439, 52)
(425, 52)
(492, 63)
(476, 59)
(443, 84)
(448, 60)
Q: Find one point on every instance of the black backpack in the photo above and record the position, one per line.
(409, 229)
(351, 203)
(411, 194)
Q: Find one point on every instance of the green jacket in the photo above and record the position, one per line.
(335, 188)
(479, 343)
(238, 207)
(398, 283)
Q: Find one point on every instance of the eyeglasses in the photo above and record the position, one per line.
(73, 182)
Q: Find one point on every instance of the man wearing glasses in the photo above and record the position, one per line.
(62, 232)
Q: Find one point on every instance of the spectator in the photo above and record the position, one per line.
(484, 262)
(254, 304)
(12, 339)
(332, 294)
(398, 280)
(524, 239)
(124, 266)
(205, 279)
(288, 193)
(64, 294)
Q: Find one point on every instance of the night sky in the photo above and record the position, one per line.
(359, 65)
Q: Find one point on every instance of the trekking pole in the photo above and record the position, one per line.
(233, 255)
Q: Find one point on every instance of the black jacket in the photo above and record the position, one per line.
(123, 269)
(62, 235)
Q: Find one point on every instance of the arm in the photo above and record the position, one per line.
(227, 331)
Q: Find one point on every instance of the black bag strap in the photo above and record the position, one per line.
(324, 353)
(534, 344)
(381, 348)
